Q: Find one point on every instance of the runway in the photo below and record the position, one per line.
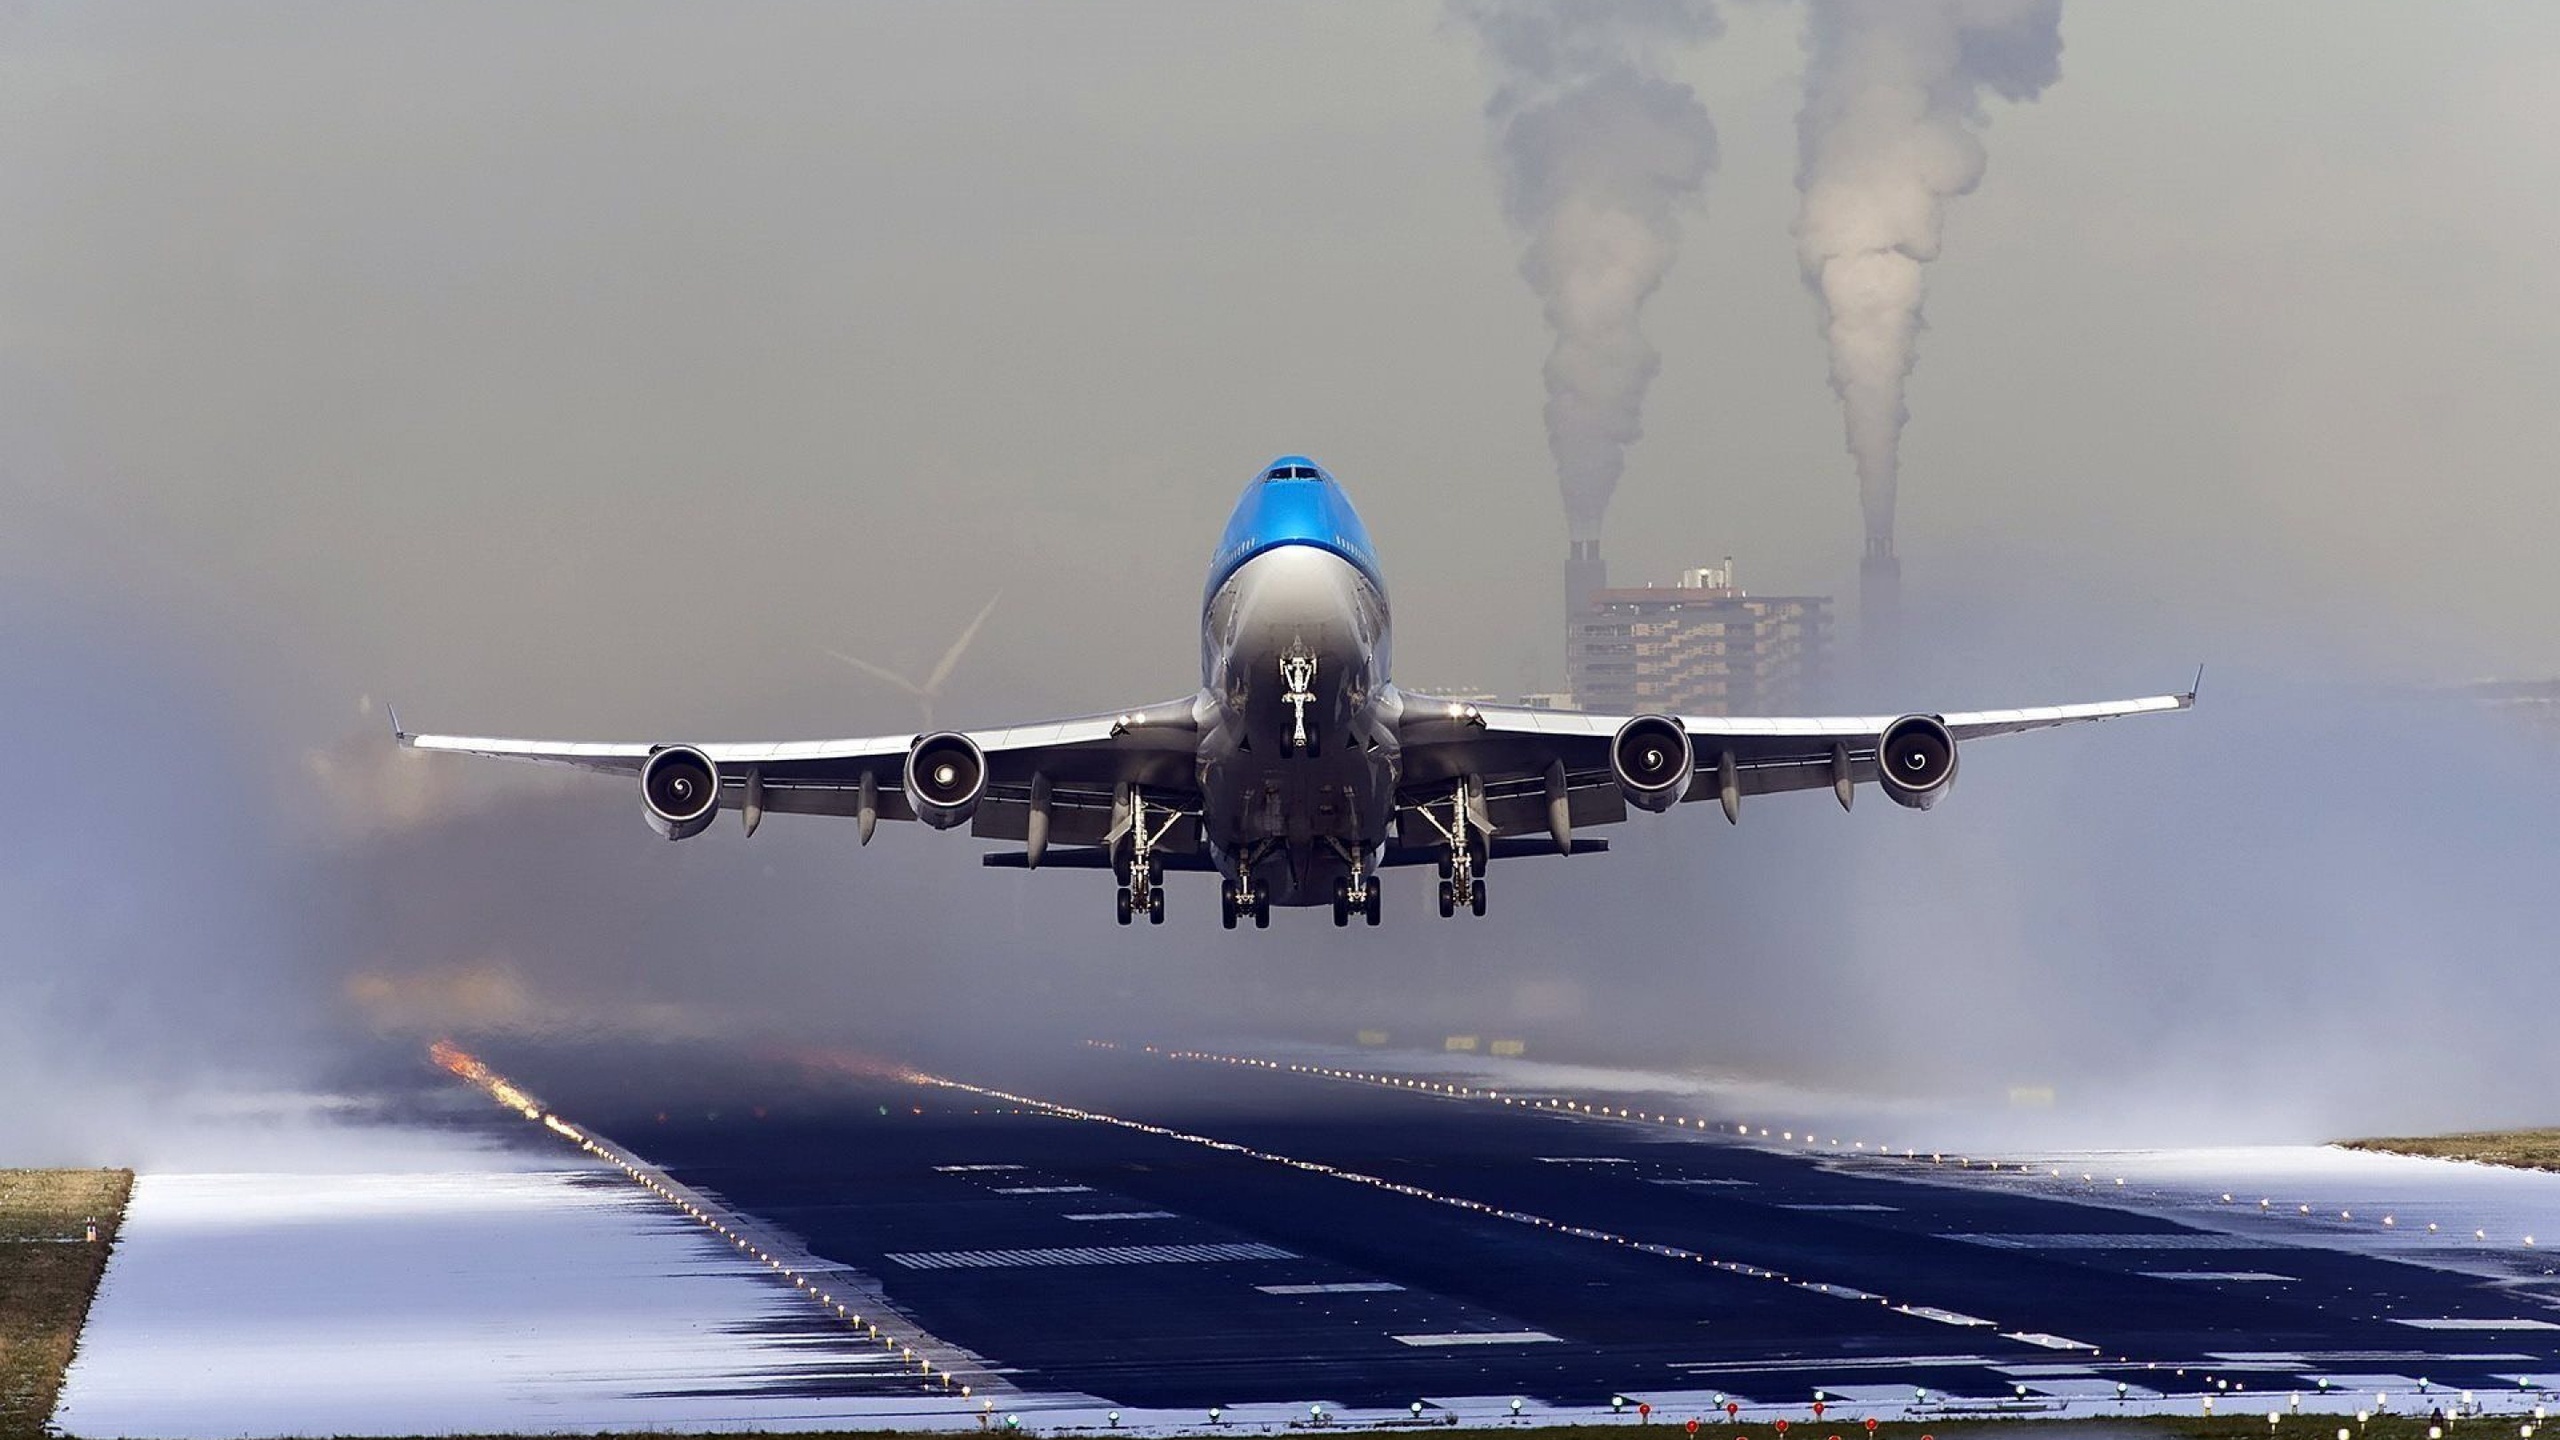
(1180, 1231)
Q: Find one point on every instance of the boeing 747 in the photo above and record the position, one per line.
(1298, 770)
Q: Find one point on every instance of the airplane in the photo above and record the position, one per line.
(1298, 771)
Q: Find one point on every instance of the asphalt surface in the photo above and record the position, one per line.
(1230, 1235)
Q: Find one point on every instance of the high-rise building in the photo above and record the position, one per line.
(1701, 647)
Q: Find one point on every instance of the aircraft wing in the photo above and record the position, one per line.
(1080, 762)
(1527, 758)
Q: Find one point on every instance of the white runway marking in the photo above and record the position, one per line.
(1943, 1317)
(2048, 1342)
(1127, 1215)
(972, 1169)
(1791, 1364)
(2477, 1324)
(1736, 1183)
(1584, 1160)
(1866, 1209)
(1044, 1189)
(1837, 1292)
(2253, 1276)
(1089, 1255)
(2143, 1240)
(1492, 1337)
(1346, 1287)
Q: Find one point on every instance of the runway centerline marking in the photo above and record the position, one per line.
(1417, 1192)
(1494, 1337)
(1126, 1215)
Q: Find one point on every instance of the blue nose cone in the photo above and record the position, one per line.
(1293, 501)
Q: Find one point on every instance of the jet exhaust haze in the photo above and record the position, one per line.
(1889, 133)
(1598, 151)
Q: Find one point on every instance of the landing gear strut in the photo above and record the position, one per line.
(1235, 902)
(1239, 898)
(1460, 885)
(1143, 891)
(1357, 893)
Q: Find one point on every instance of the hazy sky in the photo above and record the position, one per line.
(589, 369)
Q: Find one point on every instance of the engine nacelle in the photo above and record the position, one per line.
(1651, 758)
(946, 776)
(680, 792)
(1916, 761)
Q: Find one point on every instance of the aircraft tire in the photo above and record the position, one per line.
(1155, 907)
(1479, 897)
(1124, 905)
(1374, 908)
(1448, 900)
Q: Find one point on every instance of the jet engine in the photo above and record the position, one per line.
(1651, 758)
(946, 776)
(1916, 761)
(680, 791)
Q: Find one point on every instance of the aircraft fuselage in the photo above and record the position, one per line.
(1298, 774)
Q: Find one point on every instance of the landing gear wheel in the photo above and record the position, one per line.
(1341, 903)
(1124, 905)
(1227, 908)
(1262, 912)
(1479, 900)
(1448, 900)
(1155, 907)
(1371, 909)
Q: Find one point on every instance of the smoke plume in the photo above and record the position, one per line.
(1890, 132)
(1598, 151)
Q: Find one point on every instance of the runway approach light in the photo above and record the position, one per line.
(1216, 1416)
(1416, 1408)
(1115, 1419)
(1617, 1404)
(1515, 1408)
(2273, 1416)
(2120, 1392)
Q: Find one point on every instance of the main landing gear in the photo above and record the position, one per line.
(1236, 901)
(1143, 890)
(1460, 886)
(1357, 893)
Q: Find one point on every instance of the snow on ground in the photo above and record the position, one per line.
(2489, 1220)
(461, 1292)
(2486, 1219)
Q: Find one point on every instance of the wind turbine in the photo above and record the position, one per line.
(928, 690)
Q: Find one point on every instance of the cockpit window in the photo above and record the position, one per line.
(1293, 472)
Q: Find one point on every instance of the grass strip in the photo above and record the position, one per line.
(48, 1270)
(2523, 1149)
